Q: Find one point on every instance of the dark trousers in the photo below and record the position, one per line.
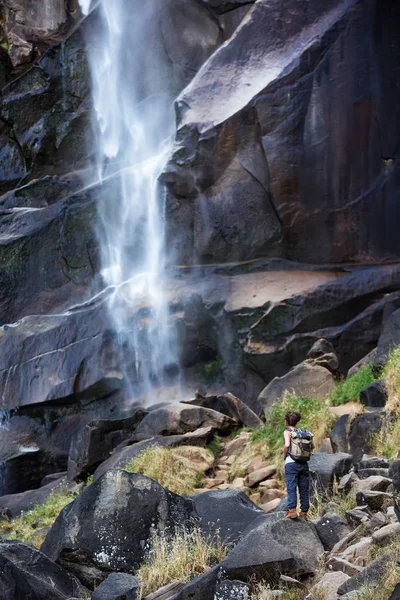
(298, 476)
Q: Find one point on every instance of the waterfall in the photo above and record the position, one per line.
(135, 124)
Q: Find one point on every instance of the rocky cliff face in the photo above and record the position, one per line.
(287, 141)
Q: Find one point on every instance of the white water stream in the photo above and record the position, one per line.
(135, 134)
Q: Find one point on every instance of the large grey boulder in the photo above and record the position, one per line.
(339, 434)
(325, 469)
(362, 431)
(230, 406)
(26, 573)
(274, 548)
(306, 380)
(118, 586)
(374, 395)
(107, 527)
(97, 441)
(178, 419)
(228, 514)
(331, 528)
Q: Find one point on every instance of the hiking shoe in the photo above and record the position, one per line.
(291, 513)
(303, 515)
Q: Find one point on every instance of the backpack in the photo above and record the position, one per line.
(301, 445)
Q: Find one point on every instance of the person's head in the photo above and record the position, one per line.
(292, 418)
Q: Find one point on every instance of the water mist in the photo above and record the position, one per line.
(135, 124)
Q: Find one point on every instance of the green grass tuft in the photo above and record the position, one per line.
(316, 417)
(349, 389)
(43, 515)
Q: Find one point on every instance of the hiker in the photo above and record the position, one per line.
(297, 452)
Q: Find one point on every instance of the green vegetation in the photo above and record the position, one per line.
(316, 417)
(186, 556)
(181, 469)
(27, 525)
(350, 388)
(215, 446)
(391, 373)
(211, 370)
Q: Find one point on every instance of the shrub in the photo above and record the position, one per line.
(186, 556)
(315, 416)
(42, 515)
(350, 388)
(181, 469)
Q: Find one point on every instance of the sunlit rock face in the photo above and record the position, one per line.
(287, 138)
(28, 27)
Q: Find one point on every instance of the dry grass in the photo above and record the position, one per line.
(391, 373)
(383, 589)
(344, 502)
(181, 558)
(25, 527)
(387, 441)
(263, 591)
(181, 469)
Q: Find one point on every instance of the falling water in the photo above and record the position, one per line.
(135, 120)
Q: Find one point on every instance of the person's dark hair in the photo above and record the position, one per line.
(292, 418)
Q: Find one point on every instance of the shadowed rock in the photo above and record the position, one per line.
(19, 503)
(230, 406)
(27, 573)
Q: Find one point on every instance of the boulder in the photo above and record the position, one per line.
(374, 483)
(307, 380)
(358, 552)
(389, 338)
(339, 434)
(97, 441)
(396, 593)
(328, 586)
(374, 500)
(373, 462)
(347, 482)
(122, 456)
(386, 534)
(325, 469)
(322, 353)
(373, 472)
(24, 501)
(273, 548)
(26, 469)
(335, 563)
(363, 429)
(230, 406)
(374, 395)
(369, 358)
(260, 475)
(227, 513)
(27, 573)
(178, 419)
(331, 528)
(359, 514)
(202, 587)
(373, 573)
(378, 521)
(164, 593)
(105, 528)
(118, 586)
